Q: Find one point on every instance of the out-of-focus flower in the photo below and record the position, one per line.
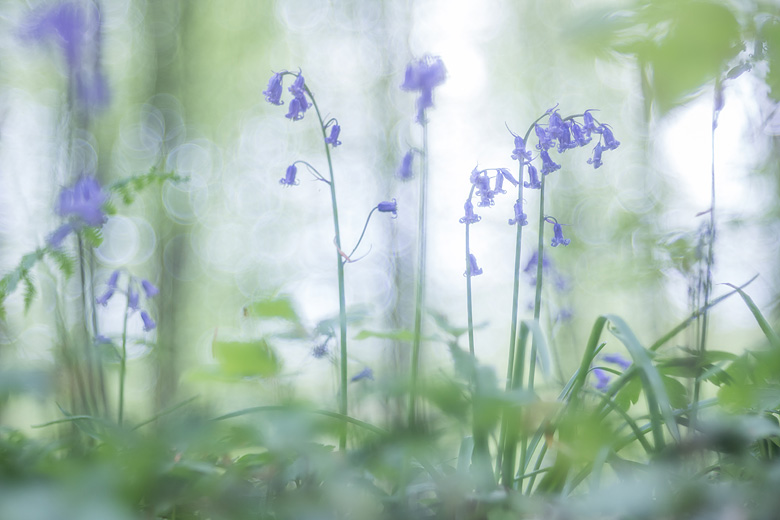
(388, 207)
(113, 279)
(289, 176)
(617, 359)
(473, 269)
(471, 217)
(149, 323)
(149, 289)
(132, 299)
(84, 201)
(404, 171)
(103, 300)
(366, 373)
(424, 75)
(602, 379)
(273, 93)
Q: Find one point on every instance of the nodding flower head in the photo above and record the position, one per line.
(132, 299)
(610, 143)
(333, 140)
(424, 75)
(589, 124)
(481, 182)
(273, 93)
(103, 300)
(84, 201)
(520, 217)
(503, 173)
(404, 171)
(580, 137)
(366, 373)
(564, 139)
(555, 126)
(545, 139)
(149, 289)
(298, 87)
(472, 269)
(388, 207)
(113, 279)
(149, 323)
(471, 217)
(533, 178)
(558, 233)
(296, 110)
(548, 165)
(520, 153)
(289, 177)
(596, 159)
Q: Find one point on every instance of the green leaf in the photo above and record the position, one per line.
(678, 395)
(93, 236)
(766, 328)
(65, 262)
(246, 358)
(629, 394)
(272, 308)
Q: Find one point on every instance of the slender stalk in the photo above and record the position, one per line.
(365, 226)
(343, 401)
(469, 308)
(123, 360)
(420, 288)
(88, 351)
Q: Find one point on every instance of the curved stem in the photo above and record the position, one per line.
(420, 292)
(365, 226)
(343, 402)
(317, 175)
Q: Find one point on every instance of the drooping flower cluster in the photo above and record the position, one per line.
(299, 103)
(133, 296)
(82, 205)
(423, 76)
(77, 31)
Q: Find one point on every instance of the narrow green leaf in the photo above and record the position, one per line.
(766, 328)
(397, 335)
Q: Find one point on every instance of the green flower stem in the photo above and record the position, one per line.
(343, 402)
(469, 308)
(123, 360)
(420, 289)
(89, 366)
(365, 226)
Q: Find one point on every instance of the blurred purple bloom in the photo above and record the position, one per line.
(617, 359)
(83, 201)
(471, 217)
(333, 140)
(596, 159)
(149, 289)
(132, 299)
(404, 171)
(520, 217)
(56, 238)
(103, 300)
(548, 165)
(533, 178)
(366, 373)
(424, 75)
(149, 323)
(473, 269)
(602, 379)
(289, 176)
(273, 93)
(321, 350)
(388, 207)
(113, 279)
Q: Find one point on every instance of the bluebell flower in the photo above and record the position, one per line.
(533, 178)
(548, 165)
(602, 379)
(531, 266)
(596, 159)
(564, 139)
(483, 191)
(298, 89)
(273, 93)
(56, 238)
(84, 201)
(149, 289)
(520, 217)
(388, 207)
(579, 134)
(132, 299)
(558, 233)
(473, 269)
(610, 143)
(289, 177)
(520, 153)
(149, 323)
(333, 140)
(296, 110)
(366, 373)
(471, 217)
(498, 186)
(103, 299)
(113, 279)
(545, 139)
(503, 172)
(78, 34)
(404, 171)
(555, 126)
(589, 124)
(321, 350)
(617, 359)
(424, 75)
